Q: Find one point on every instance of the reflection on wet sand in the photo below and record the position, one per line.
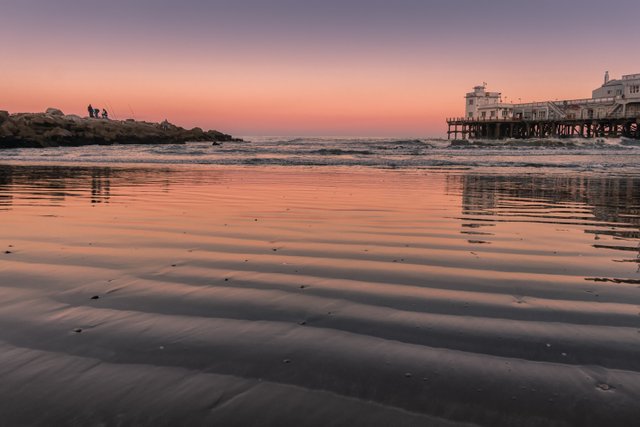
(604, 206)
(289, 296)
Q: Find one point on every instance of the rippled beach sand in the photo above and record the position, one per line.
(302, 296)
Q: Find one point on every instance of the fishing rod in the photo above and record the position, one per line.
(111, 110)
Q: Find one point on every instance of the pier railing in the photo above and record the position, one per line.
(531, 119)
(584, 101)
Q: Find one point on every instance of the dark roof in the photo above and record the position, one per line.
(612, 82)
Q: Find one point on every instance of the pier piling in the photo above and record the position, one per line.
(559, 128)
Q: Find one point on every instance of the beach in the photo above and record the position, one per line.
(319, 214)
(172, 294)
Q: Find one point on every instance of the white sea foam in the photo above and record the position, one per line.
(577, 154)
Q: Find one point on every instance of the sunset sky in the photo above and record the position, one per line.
(293, 67)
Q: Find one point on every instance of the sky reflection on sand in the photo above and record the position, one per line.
(467, 296)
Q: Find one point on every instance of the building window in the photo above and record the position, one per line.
(634, 89)
(493, 114)
(471, 115)
(484, 114)
(471, 102)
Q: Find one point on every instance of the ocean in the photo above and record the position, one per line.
(576, 154)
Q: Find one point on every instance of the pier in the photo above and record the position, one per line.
(612, 111)
(499, 128)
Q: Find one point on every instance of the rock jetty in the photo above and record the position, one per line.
(55, 129)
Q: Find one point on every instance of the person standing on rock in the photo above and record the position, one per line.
(105, 115)
(96, 113)
(90, 109)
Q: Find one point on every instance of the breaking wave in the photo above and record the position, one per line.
(575, 154)
(339, 152)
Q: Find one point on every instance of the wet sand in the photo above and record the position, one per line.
(300, 296)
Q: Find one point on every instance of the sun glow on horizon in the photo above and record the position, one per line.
(331, 69)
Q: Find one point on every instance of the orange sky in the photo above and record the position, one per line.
(383, 75)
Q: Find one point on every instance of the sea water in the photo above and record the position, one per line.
(620, 155)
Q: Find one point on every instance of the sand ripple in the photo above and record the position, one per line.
(273, 297)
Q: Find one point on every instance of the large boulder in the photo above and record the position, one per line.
(54, 112)
(74, 118)
(57, 134)
(4, 116)
(10, 127)
(165, 125)
(5, 132)
(42, 121)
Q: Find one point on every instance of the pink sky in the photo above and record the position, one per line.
(368, 68)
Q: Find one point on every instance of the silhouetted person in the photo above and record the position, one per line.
(96, 113)
(105, 115)
(90, 109)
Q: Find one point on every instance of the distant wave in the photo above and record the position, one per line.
(339, 152)
(573, 153)
(543, 143)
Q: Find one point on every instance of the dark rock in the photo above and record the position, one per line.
(54, 112)
(165, 125)
(58, 134)
(95, 297)
(53, 128)
(77, 330)
(42, 120)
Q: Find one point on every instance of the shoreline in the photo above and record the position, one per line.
(345, 169)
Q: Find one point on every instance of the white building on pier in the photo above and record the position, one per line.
(614, 99)
(486, 105)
